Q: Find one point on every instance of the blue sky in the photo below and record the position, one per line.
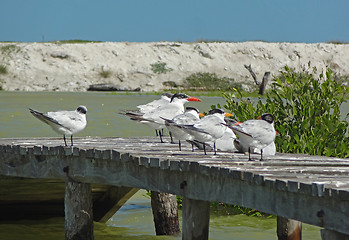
(181, 20)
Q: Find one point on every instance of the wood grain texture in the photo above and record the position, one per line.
(315, 188)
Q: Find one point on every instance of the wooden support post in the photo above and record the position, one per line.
(78, 211)
(332, 235)
(196, 217)
(113, 199)
(288, 229)
(165, 212)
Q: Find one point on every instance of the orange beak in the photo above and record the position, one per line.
(193, 99)
(277, 134)
(201, 115)
(260, 117)
(237, 123)
(228, 114)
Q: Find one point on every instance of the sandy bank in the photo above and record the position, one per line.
(73, 67)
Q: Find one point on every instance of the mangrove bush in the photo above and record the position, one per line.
(306, 111)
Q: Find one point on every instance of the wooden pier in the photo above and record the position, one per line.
(309, 189)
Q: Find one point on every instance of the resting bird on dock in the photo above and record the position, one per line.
(255, 134)
(208, 129)
(64, 122)
(190, 116)
(164, 100)
(155, 117)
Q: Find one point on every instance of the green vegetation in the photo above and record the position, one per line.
(3, 69)
(338, 42)
(209, 81)
(73, 41)
(160, 67)
(8, 49)
(105, 73)
(222, 209)
(306, 110)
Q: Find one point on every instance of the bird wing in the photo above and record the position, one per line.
(70, 120)
(258, 131)
(45, 118)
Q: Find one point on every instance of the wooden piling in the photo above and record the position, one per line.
(333, 235)
(319, 194)
(196, 217)
(165, 212)
(78, 211)
(288, 229)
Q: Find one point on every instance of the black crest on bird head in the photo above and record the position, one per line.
(167, 94)
(267, 117)
(179, 96)
(191, 108)
(82, 109)
(216, 110)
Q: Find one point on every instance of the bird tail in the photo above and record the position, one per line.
(44, 118)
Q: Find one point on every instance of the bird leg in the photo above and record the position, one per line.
(261, 155)
(156, 132)
(192, 146)
(160, 135)
(171, 137)
(249, 154)
(204, 148)
(179, 145)
(71, 140)
(214, 148)
(65, 142)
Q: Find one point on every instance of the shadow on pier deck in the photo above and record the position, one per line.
(310, 189)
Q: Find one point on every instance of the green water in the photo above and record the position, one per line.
(134, 219)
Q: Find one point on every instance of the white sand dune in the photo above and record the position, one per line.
(73, 67)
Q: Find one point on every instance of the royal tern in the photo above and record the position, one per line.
(164, 99)
(209, 128)
(64, 122)
(269, 150)
(190, 116)
(226, 142)
(255, 134)
(155, 118)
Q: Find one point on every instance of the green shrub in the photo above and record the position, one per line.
(3, 69)
(73, 41)
(8, 49)
(105, 73)
(160, 67)
(209, 81)
(306, 111)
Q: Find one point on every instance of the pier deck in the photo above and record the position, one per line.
(310, 189)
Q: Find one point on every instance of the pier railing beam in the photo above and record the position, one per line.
(78, 211)
(165, 212)
(196, 217)
(333, 235)
(288, 229)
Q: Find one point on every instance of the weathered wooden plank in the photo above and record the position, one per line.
(333, 235)
(111, 201)
(315, 188)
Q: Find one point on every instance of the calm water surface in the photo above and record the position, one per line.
(134, 219)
